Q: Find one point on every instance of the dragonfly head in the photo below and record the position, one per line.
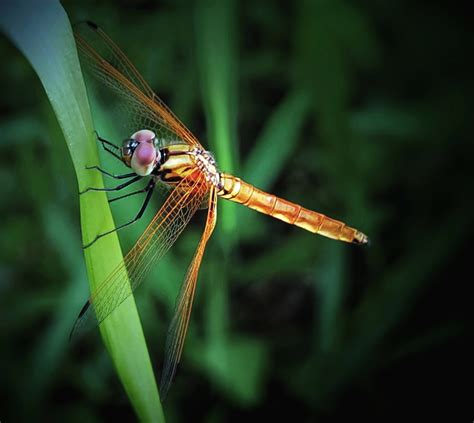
(140, 152)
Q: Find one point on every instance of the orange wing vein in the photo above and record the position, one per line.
(144, 108)
(156, 240)
(179, 324)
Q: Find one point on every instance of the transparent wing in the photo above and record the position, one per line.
(140, 107)
(156, 240)
(184, 303)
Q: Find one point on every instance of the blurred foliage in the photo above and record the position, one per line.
(361, 110)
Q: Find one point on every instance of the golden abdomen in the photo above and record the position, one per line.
(235, 189)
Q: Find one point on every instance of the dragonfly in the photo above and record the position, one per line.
(163, 152)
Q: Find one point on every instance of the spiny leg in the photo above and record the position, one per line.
(137, 217)
(140, 191)
(117, 188)
(124, 176)
(106, 143)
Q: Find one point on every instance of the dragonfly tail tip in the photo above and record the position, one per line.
(361, 239)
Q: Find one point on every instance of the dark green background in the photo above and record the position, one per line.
(365, 109)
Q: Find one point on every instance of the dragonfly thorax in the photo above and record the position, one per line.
(205, 161)
(178, 161)
(141, 153)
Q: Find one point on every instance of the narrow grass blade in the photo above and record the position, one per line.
(44, 36)
(278, 140)
(216, 53)
(271, 151)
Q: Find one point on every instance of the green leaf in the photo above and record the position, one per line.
(45, 37)
(216, 47)
(221, 355)
(278, 140)
(271, 151)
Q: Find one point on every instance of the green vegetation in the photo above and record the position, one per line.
(360, 110)
(53, 56)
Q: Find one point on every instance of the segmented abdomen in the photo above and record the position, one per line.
(235, 189)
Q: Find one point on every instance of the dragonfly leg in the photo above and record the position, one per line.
(124, 176)
(117, 188)
(106, 144)
(140, 191)
(111, 152)
(137, 217)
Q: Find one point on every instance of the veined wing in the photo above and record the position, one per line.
(143, 109)
(155, 241)
(179, 324)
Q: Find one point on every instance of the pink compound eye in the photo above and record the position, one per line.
(145, 154)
